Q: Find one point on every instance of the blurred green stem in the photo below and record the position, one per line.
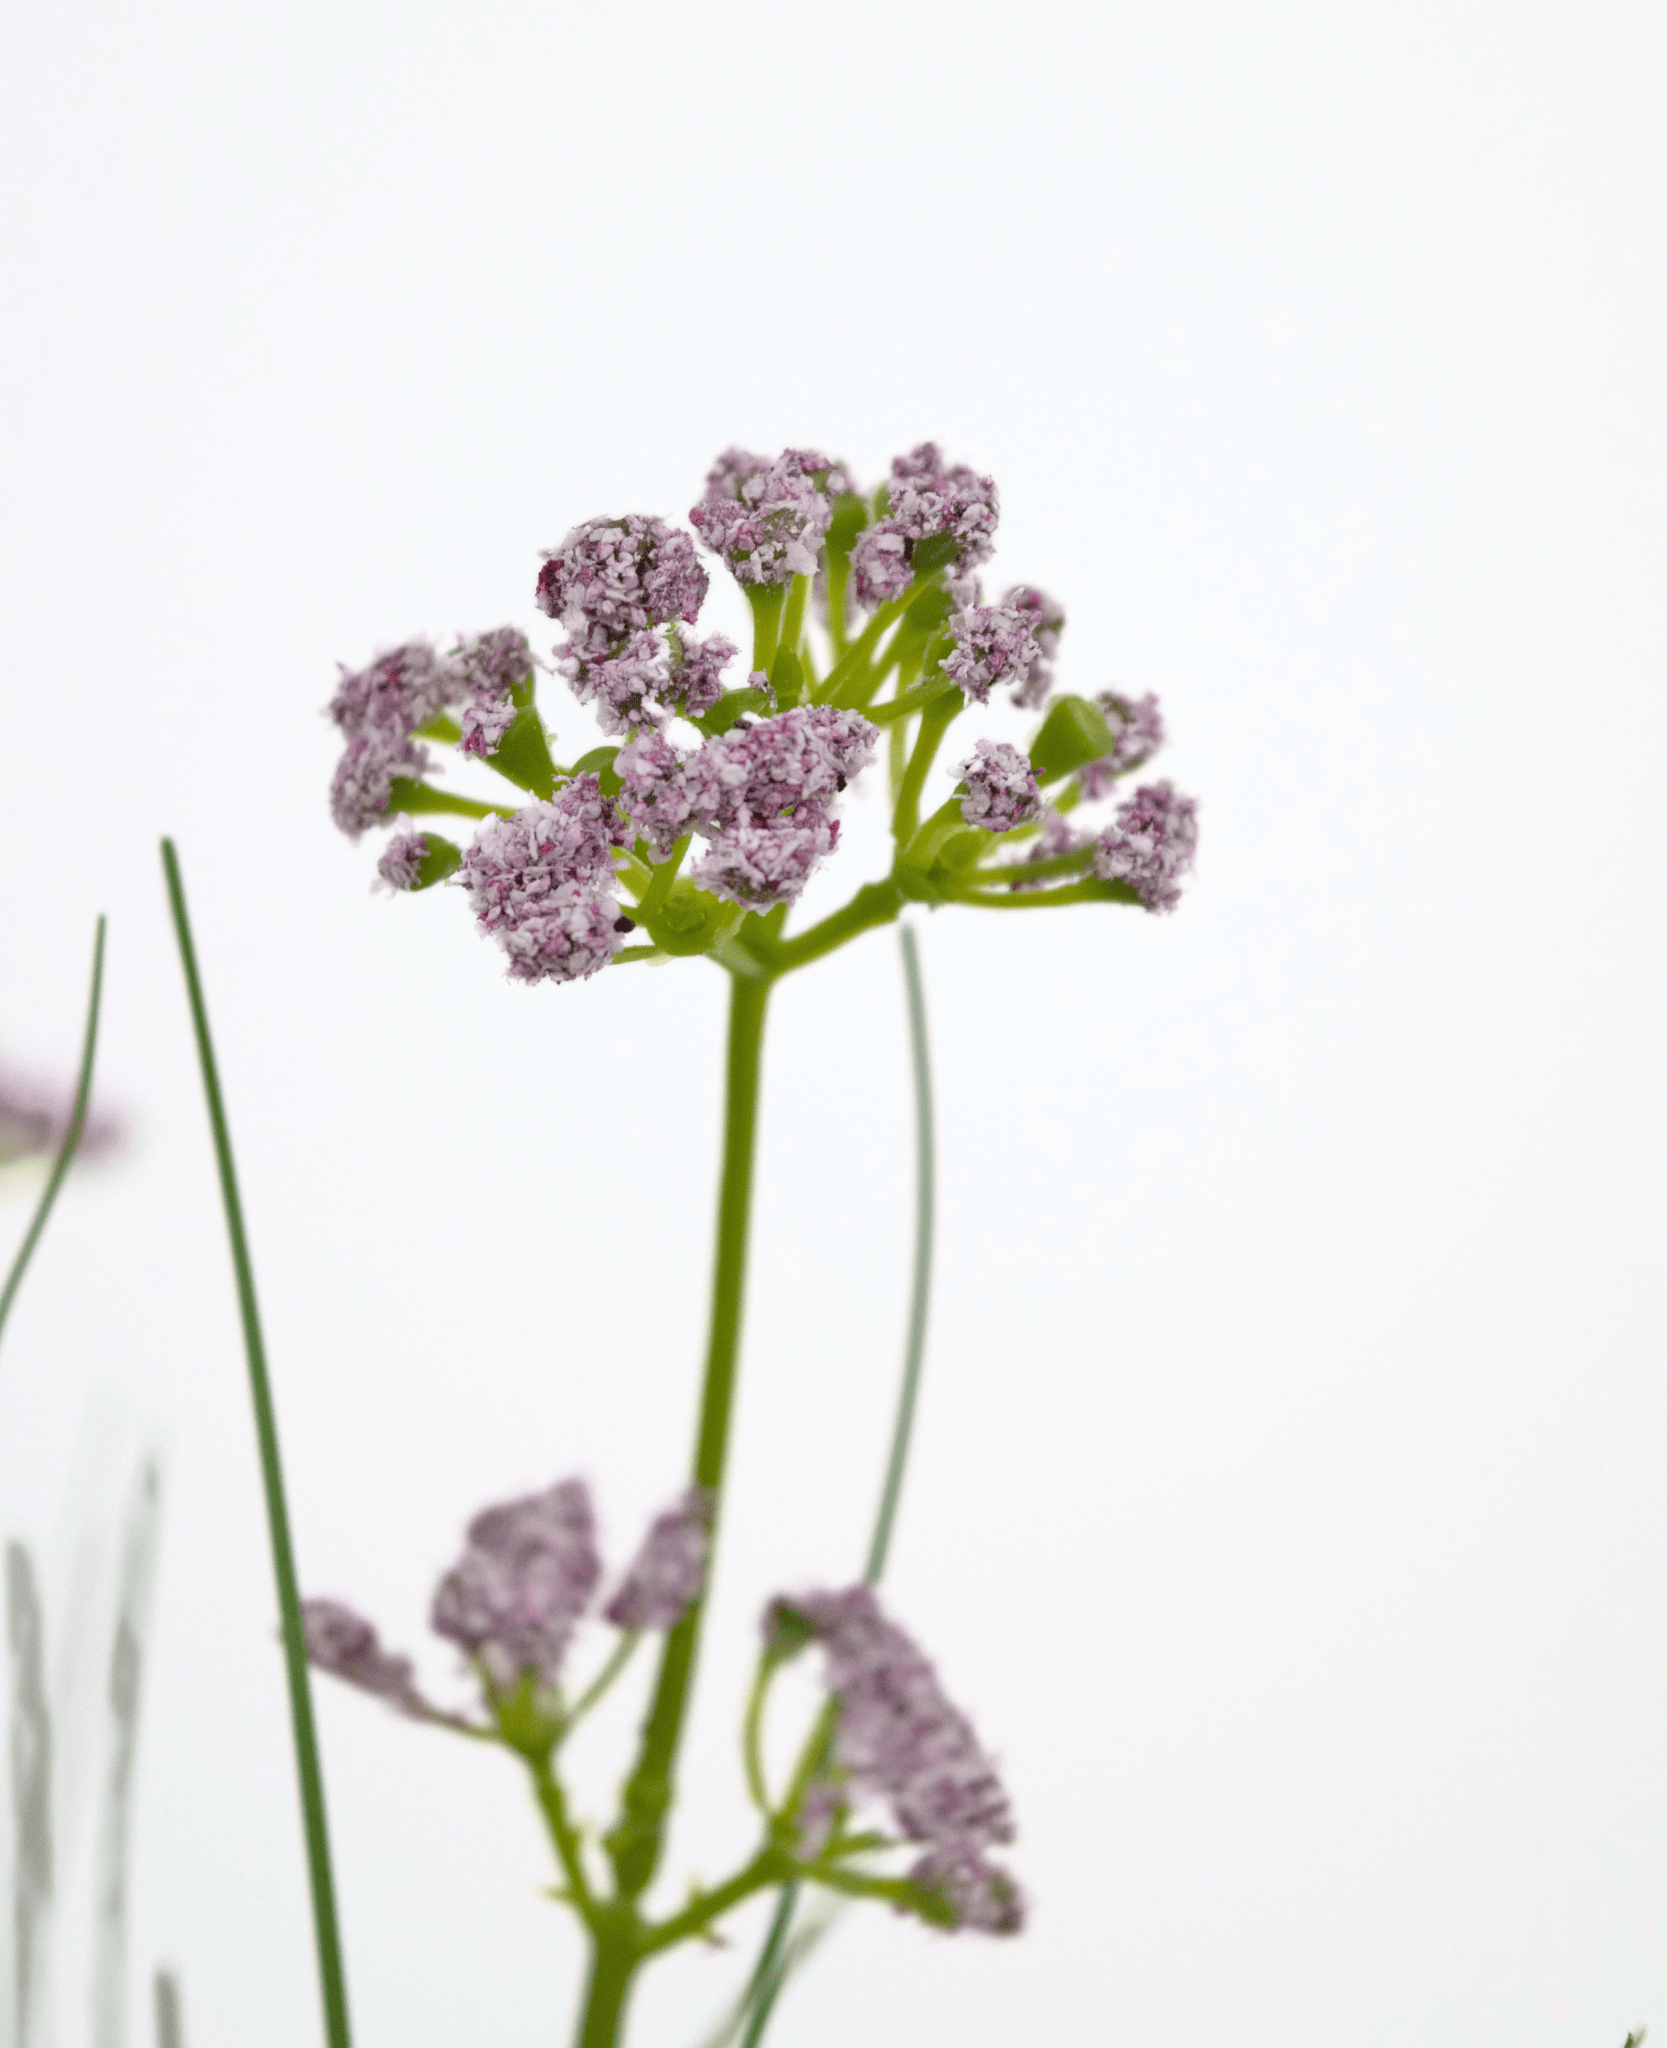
(326, 1934)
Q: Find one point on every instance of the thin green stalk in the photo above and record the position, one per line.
(935, 721)
(770, 1971)
(920, 1292)
(635, 1843)
(71, 1138)
(621, 1656)
(327, 1938)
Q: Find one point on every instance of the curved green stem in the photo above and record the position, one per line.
(553, 1803)
(618, 1658)
(71, 1138)
(935, 721)
(326, 1934)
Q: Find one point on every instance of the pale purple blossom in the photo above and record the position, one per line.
(989, 644)
(542, 883)
(1137, 734)
(765, 518)
(655, 791)
(1001, 787)
(695, 682)
(527, 1574)
(400, 691)
(762, 865)
(497, 668)
(1150, 844)
(363, 785)
(929, 497)
(627, 684)
(348, 1647)
(666, 1575)
(803, 757)
(897, 1735)
(1048, 620)
(981, 1895)
(401, 864)
(611, 578)
(33, 1120)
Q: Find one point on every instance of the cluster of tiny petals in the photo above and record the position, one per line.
(542, 883)
(494, 667)
(654, 790)
(802, 757)
(1137, 734)
(527, 1574)
(759, 866)
(766, 518)
(363, 785)
(666, 1575)
(1150, 844)
(899, 1736)
(1048, 617)
(348, 1647)
(401, 862)
(928, 497)
(611, 578)
(990, 644)
(625, 685)
(377, 709)
(1001, 788)
(695, 682)
(981, 1895)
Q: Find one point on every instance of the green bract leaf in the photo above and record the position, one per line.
(850, 516)
(1073, 734)
(441, 859)
(523, 755)
(691, 921)
(732, 706)
(600, 763)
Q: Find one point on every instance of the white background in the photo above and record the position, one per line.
(1288, 1507)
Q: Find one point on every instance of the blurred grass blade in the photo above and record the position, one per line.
(31, 1778)
(138, 1570)
(327, 1938)
(170, 2012)
(71, 1138)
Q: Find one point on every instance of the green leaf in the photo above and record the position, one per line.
(730, 708)
(1073, 734)
(523, 755)
(691, 921)
(600, 763)
(442, 859)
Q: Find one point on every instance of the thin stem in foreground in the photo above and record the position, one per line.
(327, 1937)
(71, 1138)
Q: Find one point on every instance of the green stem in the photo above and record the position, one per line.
(914, 1346)
(420, 799)
(659, 884)
(874, 904)
(614, 1960)
(793, 618)
(327, 1939)
(617, 1661)
(1026, 870)
(71, 1138)
(767, 601)
(635, 1843)
(553, 1802)
(752, 1734)
(1042, 899)
(769, 1973)
(935, 721)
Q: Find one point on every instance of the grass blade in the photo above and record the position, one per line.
(327, 1937)
(71, 1138)
(170, 2011)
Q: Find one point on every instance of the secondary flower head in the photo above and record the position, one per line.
(802, 757)
(765, 518)
(362, 788)
(514, 1597)
(759, 866)
(542, 883)
(666, 1575)
(898, 1735)
(401, 864)
(1001, 788)
(347, 1646)
(654, 788)
(1150, 844)
(990, 644)
(626, 686)
(400, 690)
(980, 1895)
(1048, 622)
(1137, 729)
(497, 669)
(929, 498)
(611, 578)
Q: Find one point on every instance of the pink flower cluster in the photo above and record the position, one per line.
(767, 518)
(1137, 732)
(1001, 787)
(542, 883)
(1150, 844)
(899, 1737)
(515, 1598)
(615, 584)
(928, 498)
(761, 793)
